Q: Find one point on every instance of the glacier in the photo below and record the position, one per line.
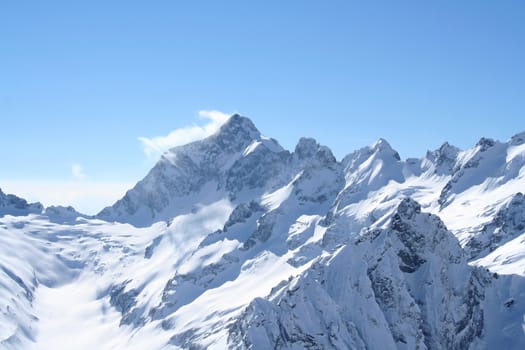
(233, 242)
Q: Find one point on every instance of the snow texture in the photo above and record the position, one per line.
(235, 242)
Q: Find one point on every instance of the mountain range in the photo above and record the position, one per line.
(233, 242)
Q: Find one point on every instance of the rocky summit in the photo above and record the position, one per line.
(233, 242)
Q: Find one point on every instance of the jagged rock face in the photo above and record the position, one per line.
(315, 184)
(308, 148)
(242, 212)
(255, 170)
(124, 301)
(517, 139)
(378, 293)
(488, 159)
(13, 205)
(412, 256)
(265, 248)
(236, 160)
(508, 224)
(443, 159)
(237, 157)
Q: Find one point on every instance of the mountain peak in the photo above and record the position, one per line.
(518, 139)
(447, 148)
(381, 143)
(238, 125)
(443, 158)
(422, 235)
(235, 134)
(13, 205)
(306, 147)
(485, 143)
(382, 146)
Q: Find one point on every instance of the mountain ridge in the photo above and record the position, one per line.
(443, 161)
(234, 242)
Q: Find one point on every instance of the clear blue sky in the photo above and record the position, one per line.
(80, 81)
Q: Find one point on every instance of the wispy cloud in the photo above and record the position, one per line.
(154, 146)
(78, 172)
(88, 197)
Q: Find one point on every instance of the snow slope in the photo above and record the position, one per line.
(234, 242)
(405, 286)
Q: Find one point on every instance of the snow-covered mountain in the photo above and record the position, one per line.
(406, 285)
(236, 158)
(234, 242)
(13, 205)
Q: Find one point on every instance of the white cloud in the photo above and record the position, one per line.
(88, 197)
(78, 172)
(155, 146)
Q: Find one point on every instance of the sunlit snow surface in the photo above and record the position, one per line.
(77, 265)
(235, 242)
